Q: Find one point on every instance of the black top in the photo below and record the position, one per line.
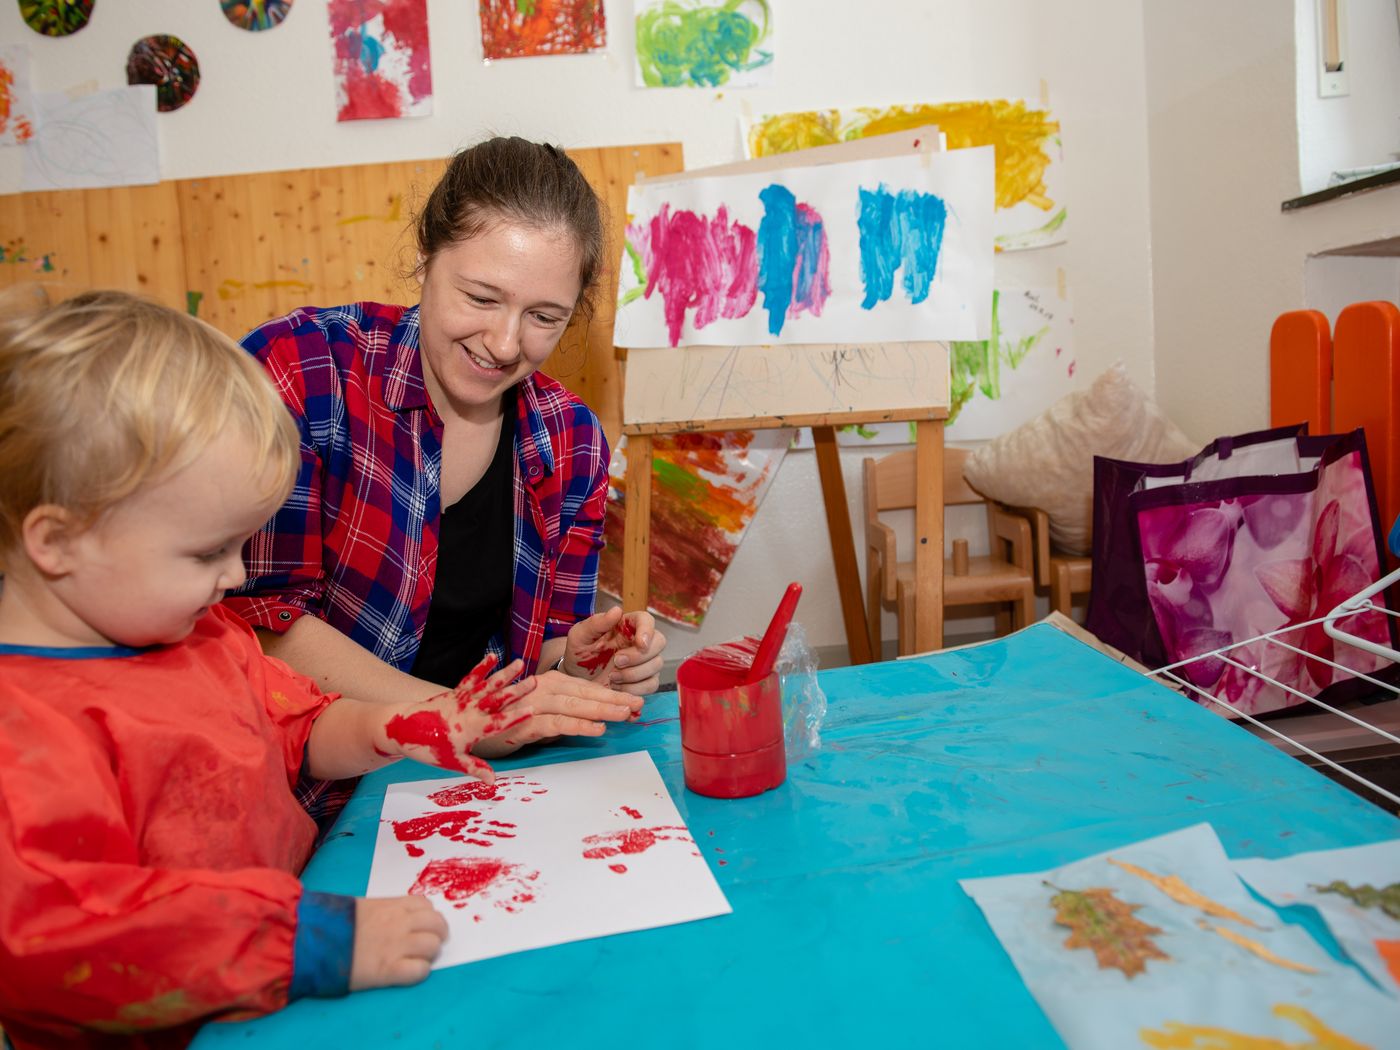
(475, 568)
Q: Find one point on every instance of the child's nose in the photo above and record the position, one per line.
(234, 573)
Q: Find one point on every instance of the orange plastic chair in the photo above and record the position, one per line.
(1300, 371)
(1366, 392)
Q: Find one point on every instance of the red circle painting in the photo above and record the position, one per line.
(167, 62)
(55, 17)
(256, 15)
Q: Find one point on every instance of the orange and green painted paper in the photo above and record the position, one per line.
(523, 28)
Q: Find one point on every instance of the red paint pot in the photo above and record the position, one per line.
(731, 731)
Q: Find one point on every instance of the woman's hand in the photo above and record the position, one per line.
(617, 650)
(562, 706)
(444, 729)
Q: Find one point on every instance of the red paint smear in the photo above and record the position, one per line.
(632, 812)
(500, 824)
(619, 868)
(472, 792)
(597, 660)
(447, 824)
(475, 842)
(367, 94)
(413, 851)
(723, 863)
(628, 629)
(710, 265)
(632, 840)
(498, 834)
(425, 729)
(461, 878)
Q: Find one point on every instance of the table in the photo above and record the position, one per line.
(1013, 756)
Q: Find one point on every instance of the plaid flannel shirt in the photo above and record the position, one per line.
(356, 543)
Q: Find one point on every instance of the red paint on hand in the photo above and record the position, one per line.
(426, 729)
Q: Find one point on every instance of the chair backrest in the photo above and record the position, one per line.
(1366, 392)
(889, 481)
(1300, 371)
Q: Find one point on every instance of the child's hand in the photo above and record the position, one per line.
(619, 651)
(396, 940)
(443, 729)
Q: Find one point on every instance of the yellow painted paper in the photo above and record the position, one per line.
(1255, 947)
(1177, 1036)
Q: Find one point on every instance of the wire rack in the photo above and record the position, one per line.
(1334, 734)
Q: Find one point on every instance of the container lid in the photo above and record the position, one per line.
(720, 666)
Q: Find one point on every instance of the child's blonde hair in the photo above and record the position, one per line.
(104, 393)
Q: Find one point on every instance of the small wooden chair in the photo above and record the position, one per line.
(1065, 574)
(1003, 576)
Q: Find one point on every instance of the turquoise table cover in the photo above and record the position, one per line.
(849, 924)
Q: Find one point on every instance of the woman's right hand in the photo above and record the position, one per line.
(562, 706)
(396, 941)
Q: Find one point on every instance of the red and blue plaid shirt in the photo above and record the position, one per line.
(356, 543)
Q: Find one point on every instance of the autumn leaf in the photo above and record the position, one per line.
(1106, 925)
(1255, 947)
(1367, 896)
(1178, 891)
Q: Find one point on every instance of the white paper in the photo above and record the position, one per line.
(703, 43)
(561, 853)
(107, 138)
(717, 253)
(19, 119)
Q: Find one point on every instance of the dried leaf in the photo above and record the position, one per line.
(1367, 896)
(1177, 1036)
(1102, 922)
(1178, 891)
(1255, 947)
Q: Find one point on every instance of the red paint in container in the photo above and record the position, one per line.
(731, 729)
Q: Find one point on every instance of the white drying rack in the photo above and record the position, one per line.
(1332, 735)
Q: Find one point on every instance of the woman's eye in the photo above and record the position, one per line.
(546, 319)
(478, 300)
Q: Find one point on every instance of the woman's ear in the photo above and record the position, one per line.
(48, 534)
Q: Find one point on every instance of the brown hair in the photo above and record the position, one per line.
(104, 393)
(527, 182)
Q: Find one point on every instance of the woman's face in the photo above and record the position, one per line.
(493, 308)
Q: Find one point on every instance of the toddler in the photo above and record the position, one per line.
(149, 839)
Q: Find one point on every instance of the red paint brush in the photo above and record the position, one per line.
(767, 653)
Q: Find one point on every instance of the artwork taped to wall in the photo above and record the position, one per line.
(884, 250)
(705, 490)
(167, 62)
(1159, 944)
(515, 29)
(382, 66)
(1029, 198)
(256, 15)
(704, 43)
(55, 17)
(107, 138)
(548, 855)
(18, 115)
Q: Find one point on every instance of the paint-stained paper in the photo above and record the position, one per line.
(1029, 199)
(382, 66)
(887, 250)
(1213, 989)
(551, 854)
(1336, 883)
(107, 138)
(511, 29)
(705, 490)
(18, 114)
(704, 43)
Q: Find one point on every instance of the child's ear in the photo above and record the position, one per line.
(47, 535)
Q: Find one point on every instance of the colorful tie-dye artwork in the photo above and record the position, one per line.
(521, 28)
(167, 62)
(865, 251)
(382, 68)
(705, 489)
(1026, 139)
(17, 112)
(55, 17)
(1230, 980)
(704, 43)
(256, 15)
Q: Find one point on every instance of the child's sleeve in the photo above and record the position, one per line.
(92, 939)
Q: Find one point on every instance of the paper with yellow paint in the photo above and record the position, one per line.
(1370, 935)
(1210, 987)
(1030, 209)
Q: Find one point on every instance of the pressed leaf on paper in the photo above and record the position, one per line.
(1387, 899)
(1177, 1036)
(1255, 947)
(1178, 891)
(1103, 923)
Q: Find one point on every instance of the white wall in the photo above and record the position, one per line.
(266, 103)
(1221, 89)
(1361, 128)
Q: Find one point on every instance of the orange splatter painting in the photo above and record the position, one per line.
(705, 490)
(522, 28)
(16, 104)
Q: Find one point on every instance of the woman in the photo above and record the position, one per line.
(450, 499)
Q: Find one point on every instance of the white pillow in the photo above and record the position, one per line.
(1048, 462)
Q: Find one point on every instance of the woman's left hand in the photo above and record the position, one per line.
(621, 651)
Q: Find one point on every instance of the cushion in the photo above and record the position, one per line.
(1048, 462)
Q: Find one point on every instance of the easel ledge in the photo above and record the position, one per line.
(928, 512)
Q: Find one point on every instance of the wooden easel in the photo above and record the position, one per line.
(928, 513)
